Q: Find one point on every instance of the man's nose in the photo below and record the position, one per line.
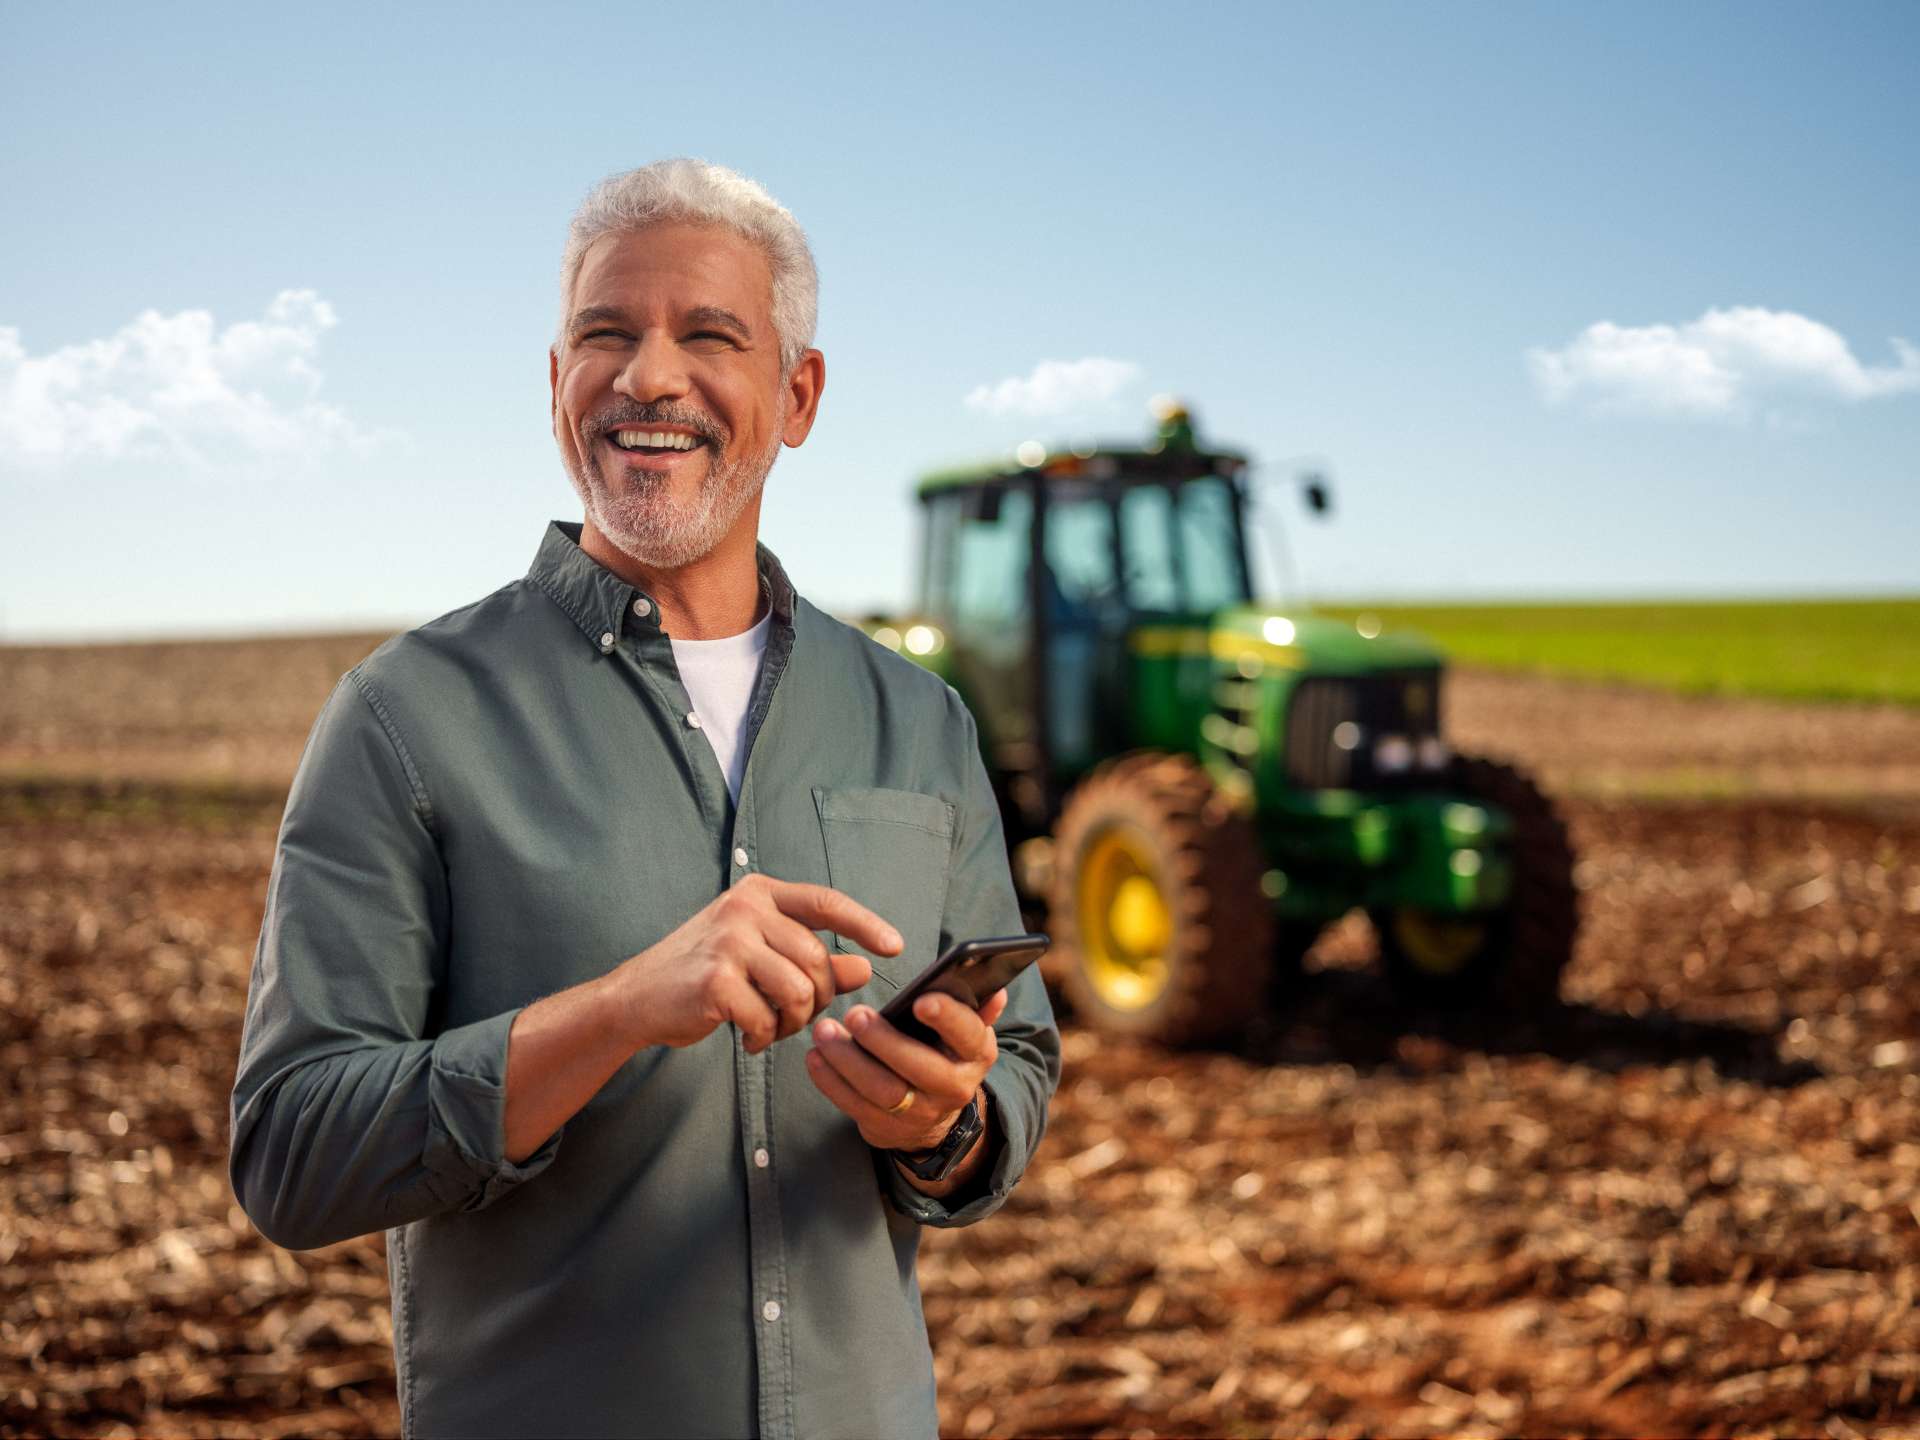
(656, 371)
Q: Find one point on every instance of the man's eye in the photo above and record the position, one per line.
(711, 335)
(596, 334)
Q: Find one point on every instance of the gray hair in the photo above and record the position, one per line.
(697, 191)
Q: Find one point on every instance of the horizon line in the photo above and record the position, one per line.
(345, 627)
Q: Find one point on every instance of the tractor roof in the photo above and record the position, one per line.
(1172, 454)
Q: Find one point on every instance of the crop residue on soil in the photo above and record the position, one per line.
(1684, 1204)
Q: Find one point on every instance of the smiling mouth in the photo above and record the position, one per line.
(654, 442)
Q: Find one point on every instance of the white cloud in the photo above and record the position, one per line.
(173, 386)
(1055, 387)
(1720, 365)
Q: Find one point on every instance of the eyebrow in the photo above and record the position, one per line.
(721, 316)
(594, 315)
(699, 315)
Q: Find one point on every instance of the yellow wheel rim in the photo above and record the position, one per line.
(1438, 944)
(1125, 925)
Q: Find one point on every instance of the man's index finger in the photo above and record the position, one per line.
(825, 908)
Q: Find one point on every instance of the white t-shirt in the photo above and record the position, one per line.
(719, 676)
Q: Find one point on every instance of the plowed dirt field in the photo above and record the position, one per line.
(1687, 1201)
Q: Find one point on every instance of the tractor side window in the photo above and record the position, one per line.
(1209, 548)
(1146, 532)
(1080, 556)
(990, 564)
(942, 519)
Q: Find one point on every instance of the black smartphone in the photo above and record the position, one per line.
(970, 972)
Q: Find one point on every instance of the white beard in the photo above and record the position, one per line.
(644, 520)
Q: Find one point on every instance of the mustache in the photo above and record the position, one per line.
(635, 416)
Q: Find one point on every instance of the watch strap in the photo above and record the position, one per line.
(941, 1161)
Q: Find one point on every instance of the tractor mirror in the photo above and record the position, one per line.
(1318, 499)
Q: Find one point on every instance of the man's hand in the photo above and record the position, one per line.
(750, 958)
(866, 1068)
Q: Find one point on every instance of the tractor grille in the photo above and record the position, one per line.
(1333, 722)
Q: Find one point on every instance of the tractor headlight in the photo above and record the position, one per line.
(1347, 735)
(1392, 754)
(1433, 753)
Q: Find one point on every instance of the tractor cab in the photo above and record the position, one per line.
(1054, 577)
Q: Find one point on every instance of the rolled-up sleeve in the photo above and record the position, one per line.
(981, 902)
(349, 1115)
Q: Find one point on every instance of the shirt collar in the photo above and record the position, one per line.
(601, 603)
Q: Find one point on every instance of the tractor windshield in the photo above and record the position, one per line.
(1182, 546)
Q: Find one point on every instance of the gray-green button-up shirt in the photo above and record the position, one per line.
(509, 801)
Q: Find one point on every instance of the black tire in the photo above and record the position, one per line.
(1204, 858)
(1516, 967)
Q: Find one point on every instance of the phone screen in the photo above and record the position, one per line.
(970, 972)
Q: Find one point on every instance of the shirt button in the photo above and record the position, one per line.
(643, 607)
(693, 721)
(740, 856)
(761, 1158)
(771, 1309)
(606, 640)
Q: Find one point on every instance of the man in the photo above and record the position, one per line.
(562, 878)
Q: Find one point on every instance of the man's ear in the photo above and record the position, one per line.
(553, 385)
(804, 385)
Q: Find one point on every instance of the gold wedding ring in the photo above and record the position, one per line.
(905, 1100)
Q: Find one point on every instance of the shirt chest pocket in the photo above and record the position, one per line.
(889, 849)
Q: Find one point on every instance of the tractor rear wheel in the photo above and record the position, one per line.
(1512, 958)
(1158, 921)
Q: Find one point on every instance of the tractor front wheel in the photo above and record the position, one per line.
(1513, 957)
(1155, 907)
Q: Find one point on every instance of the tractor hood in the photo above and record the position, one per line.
(1304, 641)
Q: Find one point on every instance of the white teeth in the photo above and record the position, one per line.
(653, 440)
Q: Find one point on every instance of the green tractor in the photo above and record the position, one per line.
(1194, 782)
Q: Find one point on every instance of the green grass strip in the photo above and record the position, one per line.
(1855, 650)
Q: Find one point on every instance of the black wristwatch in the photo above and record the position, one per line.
(938, 1163)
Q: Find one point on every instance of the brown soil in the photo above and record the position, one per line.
(1612, 740)
(1687, 1201)
(231, 712)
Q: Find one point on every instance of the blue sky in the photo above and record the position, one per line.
(1573, 300)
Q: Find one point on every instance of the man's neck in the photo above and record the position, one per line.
(707, 599)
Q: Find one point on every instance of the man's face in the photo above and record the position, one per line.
(670, 336)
